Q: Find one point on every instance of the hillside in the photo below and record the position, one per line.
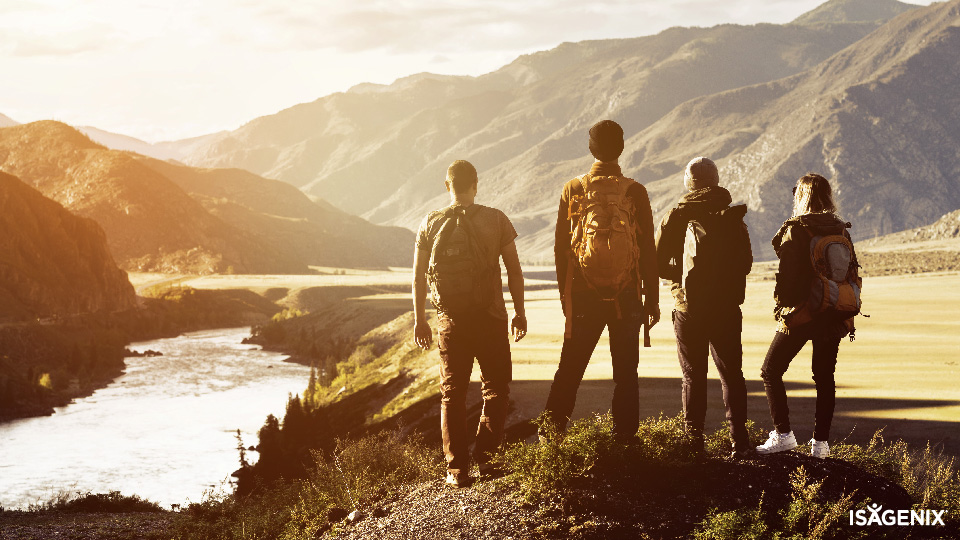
(6, 121)
(116, 141)
(175, 150)
(854, 11)
(933, 248)
(52, 263)
(156, 221)
(524, 126)
(876, 118)
(397, 140)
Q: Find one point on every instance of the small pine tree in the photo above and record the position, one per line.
(309, 396)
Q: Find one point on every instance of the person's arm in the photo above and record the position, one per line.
(790, 291)
(561, 245)
(648, 256)
(511, 261)
(421, 329)
(669, 246)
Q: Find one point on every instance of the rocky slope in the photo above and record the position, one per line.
(758, 98)
(876, 118)
(53, 263)
(854, 11)
(156, 221)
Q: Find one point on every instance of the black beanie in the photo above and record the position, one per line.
(606, 140)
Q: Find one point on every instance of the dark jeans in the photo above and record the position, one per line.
(719, 331)
(591, 316)
(783, 349)
(485, 338)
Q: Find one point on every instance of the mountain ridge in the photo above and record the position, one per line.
(53, 263)
(153, 223)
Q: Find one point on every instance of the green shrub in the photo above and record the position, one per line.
(930, 477)
(809, 516)
(259, 516)
(546, 470)
(359, 473)
(812, 516)
(112, 502)
(288, 313)
(743, 523)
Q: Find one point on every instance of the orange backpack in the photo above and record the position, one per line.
(604, 237)
(836, 284)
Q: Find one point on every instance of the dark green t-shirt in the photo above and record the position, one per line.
(493, 231)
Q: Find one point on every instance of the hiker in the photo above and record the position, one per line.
(817, 294)
(605, 260)
(458, 251)
(703, 249)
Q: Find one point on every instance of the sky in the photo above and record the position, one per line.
(170, 69)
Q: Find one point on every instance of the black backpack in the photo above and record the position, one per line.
(459, 278)
(716, 259)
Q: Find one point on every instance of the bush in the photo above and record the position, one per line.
(809, 516)
(261, 516)
(930, 477)
(112, 502)
(743, 523)
(358, 474)
(545, 471)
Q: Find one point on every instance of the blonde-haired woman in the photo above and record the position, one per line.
(814, 215)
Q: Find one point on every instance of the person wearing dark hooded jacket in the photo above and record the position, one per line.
(814, 214)
(704, 235)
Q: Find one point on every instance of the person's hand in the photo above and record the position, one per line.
(653, 315)
(423, 335)
(519, 327)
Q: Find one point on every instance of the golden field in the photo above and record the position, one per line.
(901, 373)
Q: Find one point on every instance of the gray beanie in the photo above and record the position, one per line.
(701, 173)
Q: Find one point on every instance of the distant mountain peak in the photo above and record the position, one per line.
(57, 133)
(841, 11)
(6, 121)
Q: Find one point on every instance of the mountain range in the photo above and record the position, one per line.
(842, 90)
(53, 263)
(163, 216)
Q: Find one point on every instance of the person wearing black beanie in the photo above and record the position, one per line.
(607, 274)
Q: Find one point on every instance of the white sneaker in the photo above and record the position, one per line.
(819, 449)
(778, 442)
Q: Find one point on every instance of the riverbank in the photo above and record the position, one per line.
(88, 517)
(48, 364)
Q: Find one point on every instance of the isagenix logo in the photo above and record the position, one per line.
(874, 514)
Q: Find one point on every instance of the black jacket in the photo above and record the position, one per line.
(672, 231)
(792, 244)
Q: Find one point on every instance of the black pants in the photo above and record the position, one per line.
(591, 316)
(719, 331)
(485, 338)
(783, 349)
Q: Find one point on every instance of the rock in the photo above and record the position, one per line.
(355, 516)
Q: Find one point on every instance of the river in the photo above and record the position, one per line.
(164, 430)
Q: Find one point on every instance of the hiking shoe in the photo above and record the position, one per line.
(778, 442)
(819, 449)
(458, 479)
(744, 454)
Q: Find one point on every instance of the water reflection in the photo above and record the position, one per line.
(165, 430)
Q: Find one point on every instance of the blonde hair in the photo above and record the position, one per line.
(813, 195)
